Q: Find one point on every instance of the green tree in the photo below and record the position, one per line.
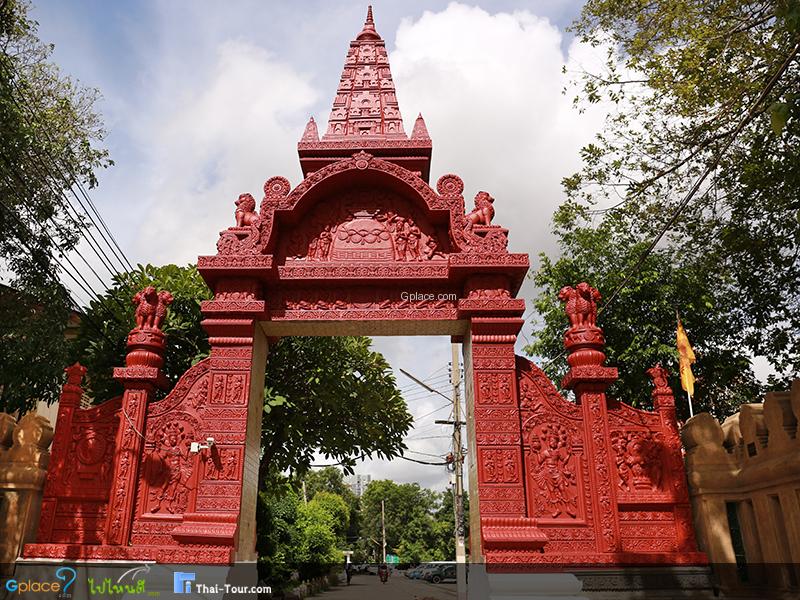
(409, 520)
(326, 479)
(336, 507)
(331, 479)
(46, 118)
(330, 395)
(277, 536)
(701, 94)
(342, 402)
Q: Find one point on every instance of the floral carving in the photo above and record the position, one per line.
(450, 185)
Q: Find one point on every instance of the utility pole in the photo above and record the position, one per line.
(458, 488)
(305, 498)
(383, 530)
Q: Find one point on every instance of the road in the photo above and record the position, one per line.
(399, 587)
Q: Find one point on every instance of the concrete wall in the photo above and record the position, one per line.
(744, 480)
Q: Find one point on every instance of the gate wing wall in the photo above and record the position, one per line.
(604, 486)
(364, 245)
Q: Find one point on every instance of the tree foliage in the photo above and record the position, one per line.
(46, 118)
(330, 480)
(296, 536)
(419, 522)
(331, 395)
(694, 88)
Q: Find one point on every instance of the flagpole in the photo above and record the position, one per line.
(691, 412)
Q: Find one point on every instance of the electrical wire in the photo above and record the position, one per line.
(74, 305)
(433, 411)
(422, 462)
(73, 181)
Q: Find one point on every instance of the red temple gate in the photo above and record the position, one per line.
(364, 245)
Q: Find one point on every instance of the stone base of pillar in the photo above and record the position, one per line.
(522, 586)
(633, 583)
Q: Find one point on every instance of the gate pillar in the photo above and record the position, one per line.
(239, 354)
(589, 379)
(140, 376)
(497, 489)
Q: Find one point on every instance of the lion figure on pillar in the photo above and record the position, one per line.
(151, 307)
(581, 304)
(245, 210)
(483, 213)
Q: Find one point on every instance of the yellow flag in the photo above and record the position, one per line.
(686, 359)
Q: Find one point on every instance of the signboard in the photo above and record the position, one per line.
(392, 559)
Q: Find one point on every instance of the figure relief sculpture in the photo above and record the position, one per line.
(483, 213)
(246, 213)
(499, 466)
(638, 459)
(581, 305)
(169, 470)
(556, 482)
(151, 308)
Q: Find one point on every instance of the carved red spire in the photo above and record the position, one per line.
(365, 114)
(365, 103)
(311, 134)
(420, 131)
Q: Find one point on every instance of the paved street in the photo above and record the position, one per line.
(399, 587)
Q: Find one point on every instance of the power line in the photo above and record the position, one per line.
(73, 181)
(13, 212)
(422, 462)
(425, 454)
(72, 302)
(433, 411)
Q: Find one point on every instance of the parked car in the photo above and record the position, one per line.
(441, 573)
(416, 572)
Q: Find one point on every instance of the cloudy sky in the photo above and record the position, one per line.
(206, 100)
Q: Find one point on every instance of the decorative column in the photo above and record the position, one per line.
(664, 403)
(589, 379)
(507, 534)
(68, 402)
(140, 376)
(23, 469)
(238, 361)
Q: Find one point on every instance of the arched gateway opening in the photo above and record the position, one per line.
(364, 245)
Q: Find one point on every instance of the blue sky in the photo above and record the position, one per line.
(206, 100)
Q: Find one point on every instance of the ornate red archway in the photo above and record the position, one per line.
(364, 245)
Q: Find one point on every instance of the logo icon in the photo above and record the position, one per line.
(182, 582)
(63, 574)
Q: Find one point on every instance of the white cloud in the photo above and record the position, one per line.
(490, 89)
(209, 138)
